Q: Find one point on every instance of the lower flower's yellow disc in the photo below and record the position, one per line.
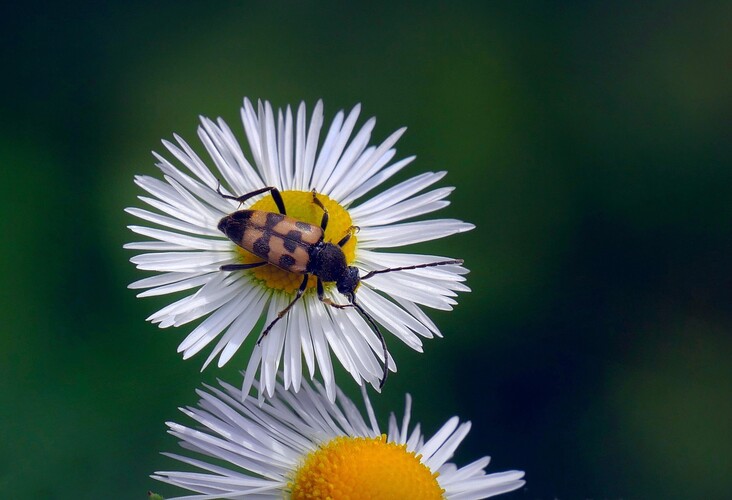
(358, 468)
(299, 205)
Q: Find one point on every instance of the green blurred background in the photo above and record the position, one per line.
(589, 142)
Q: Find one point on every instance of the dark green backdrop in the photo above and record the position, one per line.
(589, 143)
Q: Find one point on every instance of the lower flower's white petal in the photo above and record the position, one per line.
(416, 440)
(436, 441)
(257, 447)
(447, 450)
(486, 486)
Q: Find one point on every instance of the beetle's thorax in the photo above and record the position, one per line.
(327, 261)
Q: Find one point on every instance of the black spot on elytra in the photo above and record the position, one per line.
(304, 226)
(261, 247)
(273, 219)
(291, 240)
(242, 215)
(286, 261)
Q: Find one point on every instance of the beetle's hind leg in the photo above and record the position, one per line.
(324, 219)
(281, 314)
(276, 196)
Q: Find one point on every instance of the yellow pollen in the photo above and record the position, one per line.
(299, 205)
(358, 468)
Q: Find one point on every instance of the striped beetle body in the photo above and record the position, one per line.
(299, 247)
(280, 240)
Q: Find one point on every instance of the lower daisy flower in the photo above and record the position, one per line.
(303, 446)
(231, 287)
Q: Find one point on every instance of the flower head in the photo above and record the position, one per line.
(232, 287)
(301, 445)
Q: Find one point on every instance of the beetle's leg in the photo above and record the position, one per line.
(281, 314)
(324, 220)
(236, 267)
(276, 196)
(349, 233)
(352, 298)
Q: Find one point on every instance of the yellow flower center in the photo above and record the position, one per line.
(299, 205)
(358, 468)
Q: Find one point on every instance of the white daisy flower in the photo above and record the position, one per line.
(301, 445)
(189, 250)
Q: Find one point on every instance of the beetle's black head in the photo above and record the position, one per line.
(348, 281)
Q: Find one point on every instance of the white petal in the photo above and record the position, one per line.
(407, 233)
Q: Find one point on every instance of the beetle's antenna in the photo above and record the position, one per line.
(418, 266)
(352, 299)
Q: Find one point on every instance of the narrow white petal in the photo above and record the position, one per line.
(242, 327)
(436, 441)
(407, 233)
(328, 168)
(180, 261)
(311, 146)
(378, 308)
(322, 169)
(414, 207)
(177, 224)
(349, 193)
(161, 279)
(178, 286)
(398, 193)
(184, 241)
(346, 162)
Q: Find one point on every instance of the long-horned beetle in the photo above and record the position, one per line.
(299, 247)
